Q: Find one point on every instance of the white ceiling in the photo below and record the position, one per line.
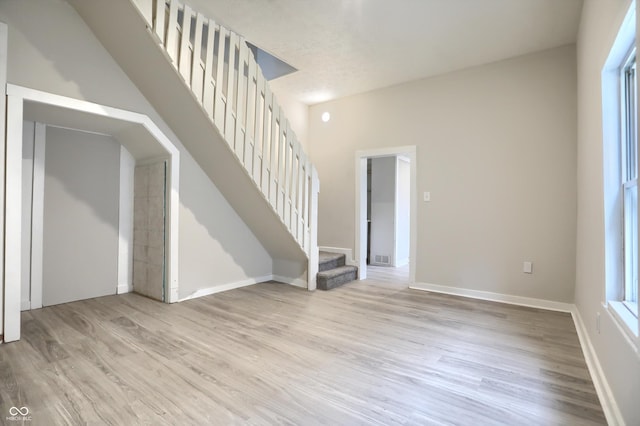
(343, 47)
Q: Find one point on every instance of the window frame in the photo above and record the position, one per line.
(629, 178)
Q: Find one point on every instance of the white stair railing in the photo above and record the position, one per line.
(218, 67)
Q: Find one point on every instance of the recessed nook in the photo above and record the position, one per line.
(141, 143)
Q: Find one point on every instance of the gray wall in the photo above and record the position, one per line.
(52, 49)
(216, 247)
(383, 195)
(81, 197)
(496, 147)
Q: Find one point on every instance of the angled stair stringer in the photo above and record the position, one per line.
(245, 146)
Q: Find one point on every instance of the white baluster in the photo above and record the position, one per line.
(273, 161)
(242, 101)
(307, 190)
(172, 32)
(184, 63)
(282, 150)
(160, 11)
(209, 82)
(300, 194)
(219, 105)
(249, 144)
(197, 71)
(287, 178)
(266, 142)
(257, 138)
(229, 125)
(295, 165)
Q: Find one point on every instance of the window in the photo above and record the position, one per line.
(620, 180)
(629, 179)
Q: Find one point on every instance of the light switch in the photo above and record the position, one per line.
(527, 268)
(427, 197)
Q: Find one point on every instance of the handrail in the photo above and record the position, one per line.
(226, 80)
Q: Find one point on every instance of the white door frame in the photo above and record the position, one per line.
(3, 110)
(361, 205)
(399, 159)
(16, 96)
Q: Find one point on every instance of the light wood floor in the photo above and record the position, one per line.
(395, 277)
(365, 353)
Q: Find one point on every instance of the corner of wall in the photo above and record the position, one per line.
(290, 272)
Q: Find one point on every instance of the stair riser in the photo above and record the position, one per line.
(332, 264)
(333, 282)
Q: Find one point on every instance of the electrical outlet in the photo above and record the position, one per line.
(598, 322)
(427, 197)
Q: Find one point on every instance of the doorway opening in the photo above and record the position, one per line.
(97, 217)
(90, 156)
(386, 214)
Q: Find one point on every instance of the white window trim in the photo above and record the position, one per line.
(613, 109)
(624, 318)
(629, 180)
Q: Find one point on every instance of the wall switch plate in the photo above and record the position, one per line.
(427, 197)
(527, 268)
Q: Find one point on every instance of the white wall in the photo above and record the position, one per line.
(81, 211)
(383, 197)
(52, 49)
(403, 209)
(125, 221)
(496, 149)
(216, 247)
(599, 26)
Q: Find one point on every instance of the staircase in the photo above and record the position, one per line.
(333, 272)
(205, 83)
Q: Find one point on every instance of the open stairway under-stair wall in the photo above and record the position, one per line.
(205, 83)
(333, 272)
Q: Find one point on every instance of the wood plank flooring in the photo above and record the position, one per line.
(365, 353)
(396, 277)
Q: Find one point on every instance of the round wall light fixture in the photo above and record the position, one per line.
(326, 116)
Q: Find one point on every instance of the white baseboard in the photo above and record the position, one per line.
(496, 297)
(25, 305)
(346, 251)
(124, 288)
(225, 287)
(296, 282)
(608, 402)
